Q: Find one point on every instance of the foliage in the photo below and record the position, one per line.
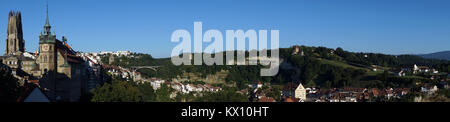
(194, 82)
(274, 92)
(117, 91)
(163, 93)
(228, 94)
(8, 85)
(124, 91)
(318, 67)
(147, 92)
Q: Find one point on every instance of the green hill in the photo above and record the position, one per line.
(313, 66)
(444, 55)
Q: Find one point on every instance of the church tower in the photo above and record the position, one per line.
(47, 49)
(15, 45)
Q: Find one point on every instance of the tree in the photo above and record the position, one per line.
(274, 92)
(340, 52)
(148, 94)
(384, 77)
(117, 91)
(8, 85)
(182, 97)
(163, 93)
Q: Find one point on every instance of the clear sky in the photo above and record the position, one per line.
(380, 26)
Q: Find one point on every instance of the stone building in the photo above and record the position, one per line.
(62, 74)
(15, 45)
(15, 56)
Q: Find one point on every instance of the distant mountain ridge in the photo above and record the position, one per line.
(445, 55)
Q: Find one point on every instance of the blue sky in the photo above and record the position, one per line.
(380, 26)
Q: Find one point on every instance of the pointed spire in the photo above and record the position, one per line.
(47, 26)
(47, 23)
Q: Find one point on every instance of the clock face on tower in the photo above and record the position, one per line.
(45, 47)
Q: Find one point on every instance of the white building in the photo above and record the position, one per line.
(156, 84)
(300, 92)
(122, 53)
(429, 90)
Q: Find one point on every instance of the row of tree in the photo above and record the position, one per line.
(127, 91)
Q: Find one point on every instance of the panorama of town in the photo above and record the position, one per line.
(56, 72)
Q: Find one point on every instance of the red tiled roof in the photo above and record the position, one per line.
(266, 99)
(289, 100)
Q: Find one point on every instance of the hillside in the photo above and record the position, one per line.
(313, 66)
(444, 55)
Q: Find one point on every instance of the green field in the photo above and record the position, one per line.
(341, 64)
